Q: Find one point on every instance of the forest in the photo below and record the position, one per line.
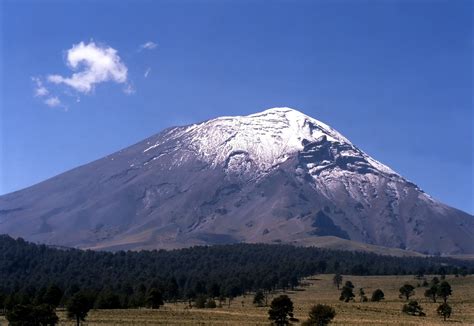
(30, 272)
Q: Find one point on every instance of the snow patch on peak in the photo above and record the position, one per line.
(262, 140)
(299, 120)
(268, 138)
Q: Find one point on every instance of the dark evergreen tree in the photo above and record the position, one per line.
(420, 273)
(281, 309)
(444, 310)
(154, 299)
(107, 300)
(377, 295)
(259, 298)
(407, 291)
(294, 281)
(214, 290)
(210, 303)
(172, 290)
(30, 315)
(413, 308)
(78, 307)
(349, 284)
(3, 298)
(20, 315)
(347, 293)
(435, 281)
(45, 315)
(200, 302)
(442, 273)
(362, 296)
(53, 295)
(432, 292)
(444, 290)
(337, 280)
(221, 300)
(10, 301)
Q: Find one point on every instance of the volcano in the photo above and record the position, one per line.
(278, 176)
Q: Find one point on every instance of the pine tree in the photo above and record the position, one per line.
(337, 280)
(53, 295)
(281, 309)
(78, 307)
(154, 299)
(258, 298)
(363, 297)
(444, 290)
(444, 310)
(406, 291)
(347, 293)
(432, 292)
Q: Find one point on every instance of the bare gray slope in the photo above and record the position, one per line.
(276, 176)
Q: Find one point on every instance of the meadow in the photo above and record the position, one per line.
(317, 289)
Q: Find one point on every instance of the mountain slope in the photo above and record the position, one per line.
(274, 176)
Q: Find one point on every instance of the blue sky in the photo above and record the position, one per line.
(395, 77)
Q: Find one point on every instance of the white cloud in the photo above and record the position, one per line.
(129, 90)
(40, 90)
(147, 72)
(99, 64)
(148, 46)
(52, 101)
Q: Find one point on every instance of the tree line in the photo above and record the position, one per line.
(31, 273)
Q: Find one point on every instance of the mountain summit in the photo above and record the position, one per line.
(274, 176)
(259, 142)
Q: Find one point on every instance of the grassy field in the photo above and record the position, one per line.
(319, 289)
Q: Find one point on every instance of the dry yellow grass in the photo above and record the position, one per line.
(319, 290)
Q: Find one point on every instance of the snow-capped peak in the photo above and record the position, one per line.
(266, 138)
(300, 122)
(262, 140)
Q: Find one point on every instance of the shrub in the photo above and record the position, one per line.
(320, 315)
(413, 308)
(25, 315)
(200, 302)
(211, 303)
(444, 310)
(258, 299)
(347, 294)
(378, 295)
(108, 300)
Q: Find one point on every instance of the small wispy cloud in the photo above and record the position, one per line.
(148, 46)
(147, 72)
(52, 101)
(129, 89)
(39, 89)
(100, 64)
